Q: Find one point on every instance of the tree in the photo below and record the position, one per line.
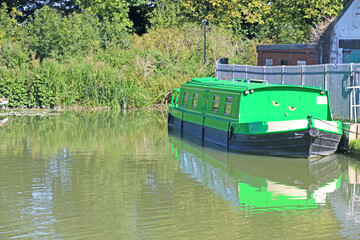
(139, 11)
(9, 29)
(166, 13)
(238, 15)
(52, 35)
(108, 9)
(28, 7)
(13, 52)
(300, 15)
(113, 17)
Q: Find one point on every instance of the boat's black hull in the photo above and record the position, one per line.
(295, 143)
(302, 143)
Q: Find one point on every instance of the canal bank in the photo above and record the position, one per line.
(353, 139)
(351, 133)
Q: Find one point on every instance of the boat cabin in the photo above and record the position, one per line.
(244, 101)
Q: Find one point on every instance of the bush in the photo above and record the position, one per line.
(354, 145)
(14, 55)
(51, 35)
(65, 64)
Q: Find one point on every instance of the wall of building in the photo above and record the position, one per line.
(291, 56)
(346, 27)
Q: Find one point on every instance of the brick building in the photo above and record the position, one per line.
(288, 54)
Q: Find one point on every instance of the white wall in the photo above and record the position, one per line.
(348, 27)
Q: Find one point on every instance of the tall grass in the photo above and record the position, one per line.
(140, 75)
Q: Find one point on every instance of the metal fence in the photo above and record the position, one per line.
(342, 81)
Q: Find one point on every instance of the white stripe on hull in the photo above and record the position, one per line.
(326, 125)
(287, 125)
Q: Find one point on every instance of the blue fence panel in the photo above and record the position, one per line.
(314, 75)
(255, 72)
(274, 74)
(292, 75)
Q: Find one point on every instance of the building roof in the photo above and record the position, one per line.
(347, 6)
(287, 46)
(327, 32)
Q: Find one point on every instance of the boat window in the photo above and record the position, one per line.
(215, 105)
(195, 100)
(175, 97)
(185, 99)
(228, 104)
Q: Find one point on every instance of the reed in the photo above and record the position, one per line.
(354, 146)
(136, 76)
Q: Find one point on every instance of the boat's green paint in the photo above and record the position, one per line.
(254, 104)
(255, 192)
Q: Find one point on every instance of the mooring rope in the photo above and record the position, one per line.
(336, 127)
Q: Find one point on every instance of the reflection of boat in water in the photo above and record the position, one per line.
(3, 121)
(4, 101)
(259, 183)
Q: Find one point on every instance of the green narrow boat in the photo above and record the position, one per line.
(253, 116)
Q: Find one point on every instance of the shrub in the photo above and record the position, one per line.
(51, 35)
(117, 76)
(354, 145)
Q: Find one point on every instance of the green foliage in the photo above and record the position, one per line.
(231, 14)
(14, 55)
(13, 50)
(139, 15)
(222, 42)
(283, 21)
(139, 76)
(9, 29)
(113, 16)
(235, 15)
(111, 34)
(291, 21)
(282, 33)
(51, 35)
(13, 83)
(354, 145)
(28, 7)
(166, 14)
(88, 58)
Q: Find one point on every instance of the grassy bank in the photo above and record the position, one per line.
(354, 147)
(139, 75)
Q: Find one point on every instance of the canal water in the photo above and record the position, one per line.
(106, 175)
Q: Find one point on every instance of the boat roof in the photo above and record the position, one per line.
(239, 84)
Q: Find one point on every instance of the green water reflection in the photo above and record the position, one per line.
(78, 175)
(260, 183)
(106, 175)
